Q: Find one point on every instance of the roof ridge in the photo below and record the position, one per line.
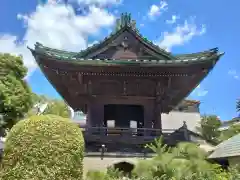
(39, 45)
(128, 25)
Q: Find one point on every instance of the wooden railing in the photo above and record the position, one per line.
(124, 131)
(118, 154)
(132, 136)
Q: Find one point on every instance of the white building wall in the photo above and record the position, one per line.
(175, 119)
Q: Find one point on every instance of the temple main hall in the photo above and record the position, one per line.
(125, 84)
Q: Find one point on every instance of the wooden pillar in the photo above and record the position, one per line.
(88, 117)
(101, 114)
(148, 117)
(98, 114)
(89, 120)
(158, 124)
(160, 91)
(92, 115)
(158, 119)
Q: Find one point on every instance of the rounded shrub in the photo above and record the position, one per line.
(43, 147)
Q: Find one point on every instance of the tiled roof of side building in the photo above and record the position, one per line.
(228, 148)
(189, 101)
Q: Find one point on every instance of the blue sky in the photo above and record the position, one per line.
(199, 25)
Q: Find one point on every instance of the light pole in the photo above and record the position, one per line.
(103, 148)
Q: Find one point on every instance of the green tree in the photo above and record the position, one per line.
(238, 105)
(54, 106)
(15, 94)
(209, 127)
(40, 98)
(57, 107)
(233, 130)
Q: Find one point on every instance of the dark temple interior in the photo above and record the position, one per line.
(123, 114)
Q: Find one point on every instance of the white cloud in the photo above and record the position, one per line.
(234, 74)
(156, 10)
(56, 26)
(199, 91)
(172, 20)
(181, 34)
(97, 2)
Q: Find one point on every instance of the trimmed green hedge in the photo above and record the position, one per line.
(43, 147)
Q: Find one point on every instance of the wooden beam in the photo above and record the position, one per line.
(89, 87)
(169, 82)
(123, 97)
(80, 78)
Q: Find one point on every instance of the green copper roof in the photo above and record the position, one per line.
(130, 28)
(40, 48)
(124, 23)
(71, 58)
(56, 54)
(198, 54)
(228, 148)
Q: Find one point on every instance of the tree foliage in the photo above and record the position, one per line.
(233, 130)
(184, 162)
(43, 147)
(57, 107)
(209, 127)
(238, 105)
(15, 94)
(54, 106)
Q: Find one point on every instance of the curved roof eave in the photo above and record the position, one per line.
(71, 56)
(118, 62)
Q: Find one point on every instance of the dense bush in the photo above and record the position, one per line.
(110, 174)
(43, 147)
(184, 162)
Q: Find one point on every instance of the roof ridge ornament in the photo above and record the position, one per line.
(125, 20)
